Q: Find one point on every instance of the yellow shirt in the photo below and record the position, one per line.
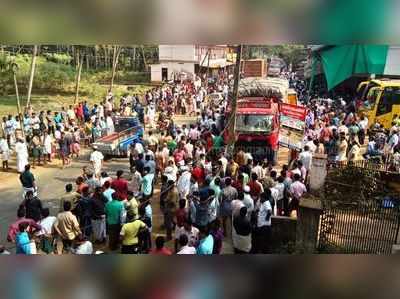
(130, 232)
(134, 206)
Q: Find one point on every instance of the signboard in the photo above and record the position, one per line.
(254, 103)
(292, 120)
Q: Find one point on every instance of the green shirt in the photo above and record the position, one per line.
(172, 145)
(114, 211)
(354, 129)
(218, 142)
(27, 179)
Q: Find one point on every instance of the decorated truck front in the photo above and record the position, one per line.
(257, 116)
(257, 127)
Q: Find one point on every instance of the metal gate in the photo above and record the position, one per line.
(361, 227)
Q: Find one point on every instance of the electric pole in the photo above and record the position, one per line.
(234, 98)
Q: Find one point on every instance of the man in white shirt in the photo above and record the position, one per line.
(258, 171)
(190, 231)
(263, 225)
(183, 183)
(110, 125)
(248, 201)
(306, 158)
(46, 223)
(185, 248)
(83, 246)
(224, 162)
(311, 145)
(343, 129)
(96, 158)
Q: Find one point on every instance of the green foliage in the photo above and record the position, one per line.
(59, 77)
(58, 58)
(289, 53)
(352, 185)
(122, 77)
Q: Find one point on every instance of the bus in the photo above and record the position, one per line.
(379, 101)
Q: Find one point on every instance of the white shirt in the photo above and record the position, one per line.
(170, 173)
(189, 150)
(193, 235)
(262, 214)
(84, 248)
(363, 123)
(183, 183)
(236, 204)
(306, 158)
(47, 225)
(96, 157)
(224, 162)
(311, 146)
(258, 171)
(187, 250)
(249, 203)
(343, 129)
(139, 148)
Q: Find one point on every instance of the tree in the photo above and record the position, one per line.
(116, 52)
(8, 66)
(32, 74)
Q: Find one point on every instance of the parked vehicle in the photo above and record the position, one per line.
(128, 130)
(379, 101)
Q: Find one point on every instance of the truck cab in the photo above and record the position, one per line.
(257, 127)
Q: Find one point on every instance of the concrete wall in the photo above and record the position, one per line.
(283, 236)
(308, 225)
(155, 70)
(177, 53)
(173, 68)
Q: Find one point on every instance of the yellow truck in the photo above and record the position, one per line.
(379, 101)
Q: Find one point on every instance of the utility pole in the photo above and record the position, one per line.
(14, 71)
(208, 67)
(232, 121)
(32, 73)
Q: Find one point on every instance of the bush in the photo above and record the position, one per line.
(58, 58)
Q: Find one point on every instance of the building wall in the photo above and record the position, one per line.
(177, 53)
(393, 61)
(156, 73)
(173, 68)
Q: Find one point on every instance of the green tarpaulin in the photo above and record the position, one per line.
(342, 62)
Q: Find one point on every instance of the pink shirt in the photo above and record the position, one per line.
(298, 189)
(14, 228)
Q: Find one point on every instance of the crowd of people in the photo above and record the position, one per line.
(207, 195)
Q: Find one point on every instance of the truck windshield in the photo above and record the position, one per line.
(254, 123)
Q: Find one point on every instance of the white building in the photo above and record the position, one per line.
(183, 61)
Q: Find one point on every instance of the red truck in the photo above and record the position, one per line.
(258, 118)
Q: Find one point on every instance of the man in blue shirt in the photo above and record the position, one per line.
(147, 183)
(22, 241)
(150, 164)
(206, 243)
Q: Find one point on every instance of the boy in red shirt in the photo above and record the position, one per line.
(160, 249)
